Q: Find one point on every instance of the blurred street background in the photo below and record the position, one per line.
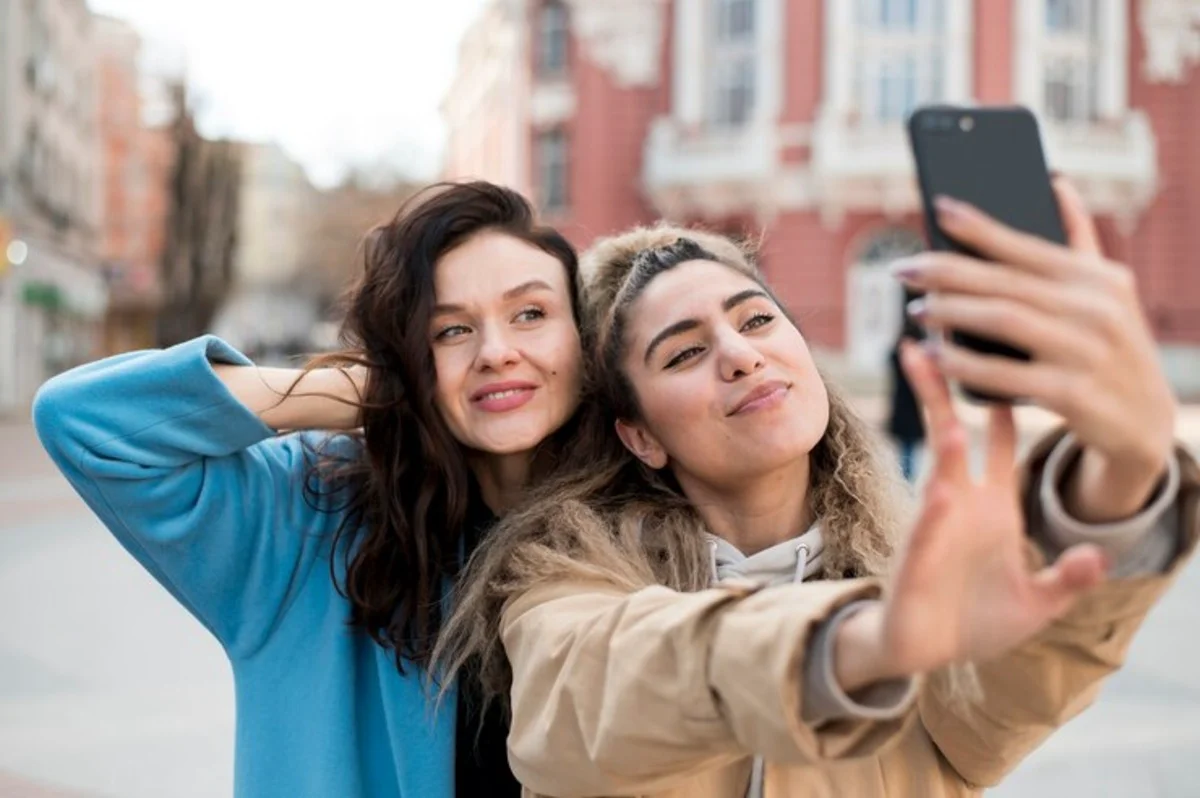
(169, 168)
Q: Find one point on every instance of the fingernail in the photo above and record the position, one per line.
(951, 210)
(933, 347)
(918, 308)
(907, 269)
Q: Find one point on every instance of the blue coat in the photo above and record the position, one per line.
(211, 502)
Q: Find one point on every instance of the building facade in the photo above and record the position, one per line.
(270, 311)
(136, 163)
(52, 294)
(783, 119)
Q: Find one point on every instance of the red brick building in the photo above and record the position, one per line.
(784, 118)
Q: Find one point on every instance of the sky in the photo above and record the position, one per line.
(338, 83)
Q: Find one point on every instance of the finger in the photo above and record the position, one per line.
(951, 273)
(1048, 336)
(1049, 385)
(1077, 222)
(947, 438)
(1077, 570)
(998, 242)
(1002, 444)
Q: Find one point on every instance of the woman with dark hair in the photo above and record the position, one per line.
(717, 602)
(321, 560)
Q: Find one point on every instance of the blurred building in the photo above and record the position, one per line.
(52, 295)
(271, 311)
(487, 107)
(136, 170)
(785, 118)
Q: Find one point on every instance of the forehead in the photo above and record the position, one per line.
(690, 290)
(481, 269)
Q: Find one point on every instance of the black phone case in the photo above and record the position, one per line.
(991, 158)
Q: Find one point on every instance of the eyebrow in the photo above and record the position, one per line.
(526, 287)
(690, 324)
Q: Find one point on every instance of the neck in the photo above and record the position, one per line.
(758, 514)
(502, 478)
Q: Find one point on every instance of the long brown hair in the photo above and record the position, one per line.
(403, 487)
(608, 518)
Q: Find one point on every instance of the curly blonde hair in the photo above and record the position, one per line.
(608, 518)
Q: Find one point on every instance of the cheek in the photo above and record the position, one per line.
(450, 374)
(562, 357)
(677, 407)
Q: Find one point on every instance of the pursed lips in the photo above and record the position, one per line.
(762, 396)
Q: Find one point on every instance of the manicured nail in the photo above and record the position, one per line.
(918, 308)
(933, 347)
(951, 210)
(907, 269)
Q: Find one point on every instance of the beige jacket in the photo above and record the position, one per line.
(666, 695)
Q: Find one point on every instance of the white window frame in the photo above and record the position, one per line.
(845, 38)
(910, 59)
(546, 32)
(1035, 48)
(546, 185)
(692, 89)
(732, 63)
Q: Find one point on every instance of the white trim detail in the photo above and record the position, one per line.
(1171, 32)
(624, 37)
(687, 82)
(552, 103)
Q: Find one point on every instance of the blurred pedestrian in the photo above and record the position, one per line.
(905, 425)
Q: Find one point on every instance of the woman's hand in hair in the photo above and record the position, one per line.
(962, 588)
(1094, 360)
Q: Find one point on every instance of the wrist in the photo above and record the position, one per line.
(1101, 488)
(859, 656)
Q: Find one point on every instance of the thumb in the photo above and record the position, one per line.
(1077, 570)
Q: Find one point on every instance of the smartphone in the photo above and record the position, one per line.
(992, 158)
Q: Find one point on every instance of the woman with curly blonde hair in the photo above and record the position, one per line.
(715, 599)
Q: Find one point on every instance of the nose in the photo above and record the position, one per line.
(496, 350)
(737, 357)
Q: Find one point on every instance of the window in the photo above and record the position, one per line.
(733, 65)
(900, 63)
(1070, 63)
(552, 39)
(552, 162)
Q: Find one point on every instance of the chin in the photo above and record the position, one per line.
(512, 441)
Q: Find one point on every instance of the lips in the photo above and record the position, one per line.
(765, 395)
(501, 396)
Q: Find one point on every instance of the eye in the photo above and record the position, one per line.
(452, 331)
(757, 320)
(531, 313)
(682, 357)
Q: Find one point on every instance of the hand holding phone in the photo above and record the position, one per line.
(992, 159)
(1092, 358)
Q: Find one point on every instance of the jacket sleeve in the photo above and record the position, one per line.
(624, 694)
(1036, 688)
(189, 481)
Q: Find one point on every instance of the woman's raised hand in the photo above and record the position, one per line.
(962, 587)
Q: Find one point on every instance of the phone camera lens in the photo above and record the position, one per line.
(966, 124)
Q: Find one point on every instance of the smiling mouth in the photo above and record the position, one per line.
(494, 395)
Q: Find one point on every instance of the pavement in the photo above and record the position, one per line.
(109, 689)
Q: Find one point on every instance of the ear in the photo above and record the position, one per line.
(642, 444)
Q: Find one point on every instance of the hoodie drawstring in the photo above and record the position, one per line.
(801, 562)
